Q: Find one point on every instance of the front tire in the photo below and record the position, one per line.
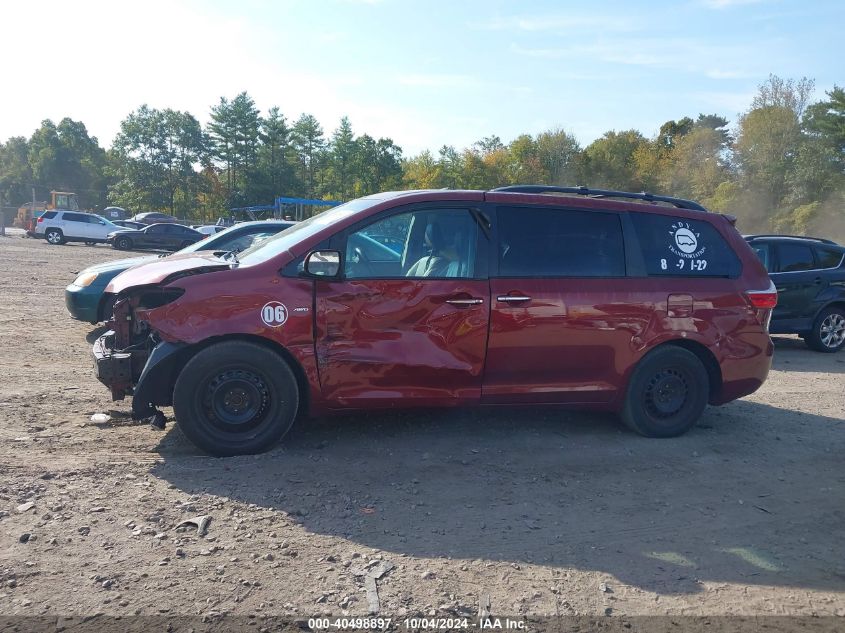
(54, 237)
(828, 333)
(667, 393)
(235, 398)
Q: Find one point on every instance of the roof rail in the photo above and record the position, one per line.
(680, 203)
(795, 237)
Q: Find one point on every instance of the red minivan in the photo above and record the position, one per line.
(645, 305)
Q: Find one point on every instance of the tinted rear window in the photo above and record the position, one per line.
(794, 257)
(828, 257)
(680, 247)
(543, 242)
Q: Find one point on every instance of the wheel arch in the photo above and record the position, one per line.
(168, 372)
(834, 303)
(707, 358)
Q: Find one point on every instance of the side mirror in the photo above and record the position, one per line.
(323, 263)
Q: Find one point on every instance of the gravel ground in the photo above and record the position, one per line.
(539, 511)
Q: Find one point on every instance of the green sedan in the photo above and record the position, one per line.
(85, 298)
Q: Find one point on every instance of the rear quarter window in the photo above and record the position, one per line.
(763, 254)
(681, 247)
(49, 215)
(828, 257)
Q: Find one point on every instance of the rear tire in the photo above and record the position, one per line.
(54, 237)
(667, 393)
(828, 333)
(235, 398)
(123, 243)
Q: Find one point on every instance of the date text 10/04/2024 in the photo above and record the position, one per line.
(418, 624)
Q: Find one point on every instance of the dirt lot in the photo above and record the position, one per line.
(547, 512)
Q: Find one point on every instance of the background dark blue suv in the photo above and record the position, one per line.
(809, 274)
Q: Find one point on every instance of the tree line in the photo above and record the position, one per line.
(780, 168)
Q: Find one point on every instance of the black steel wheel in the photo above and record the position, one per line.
(236, 398)
(667, 393)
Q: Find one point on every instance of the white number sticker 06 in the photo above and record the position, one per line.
(274, 314)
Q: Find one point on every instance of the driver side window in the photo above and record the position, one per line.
(433, 243)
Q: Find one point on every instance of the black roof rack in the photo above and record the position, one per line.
(793, 237)
(680, 203)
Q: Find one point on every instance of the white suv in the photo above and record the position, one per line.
(58, 227)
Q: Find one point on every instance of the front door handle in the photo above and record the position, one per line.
(465, 302)
(513, 298)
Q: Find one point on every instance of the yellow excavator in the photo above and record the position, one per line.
(29, 213)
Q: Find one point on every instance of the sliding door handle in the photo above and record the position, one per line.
(513, 298)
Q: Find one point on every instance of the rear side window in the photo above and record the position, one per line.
(680, 247)
(794, 257)
(544, 242)
(828, 258)
(74, 217)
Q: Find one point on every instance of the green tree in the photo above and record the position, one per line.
(156, 154)
(342, 156)
(421, 171)
(275, 156)
(825, 122)
(451, 168)
(609, 161)
(235, 137)
(308, 143)
(66, 157)
(557, 153)
(15, 173)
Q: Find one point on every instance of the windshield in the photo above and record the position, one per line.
(286, 240)
(237, 237)
(108, 222)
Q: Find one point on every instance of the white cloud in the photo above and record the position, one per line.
(725, 101)
(438, 81)
(718, 73)
(561, 23)
(726, 4)
(677, 54)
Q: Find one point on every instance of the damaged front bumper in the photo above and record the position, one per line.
(146, 374)
(113, 368)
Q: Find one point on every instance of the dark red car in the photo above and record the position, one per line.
(644, 305)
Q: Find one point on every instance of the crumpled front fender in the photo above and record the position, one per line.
(155, 385)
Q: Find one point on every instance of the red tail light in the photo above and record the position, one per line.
(41, 219)
(763, 299)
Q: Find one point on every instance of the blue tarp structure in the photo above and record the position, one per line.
(281, 208)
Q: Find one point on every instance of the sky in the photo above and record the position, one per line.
(425, 74)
